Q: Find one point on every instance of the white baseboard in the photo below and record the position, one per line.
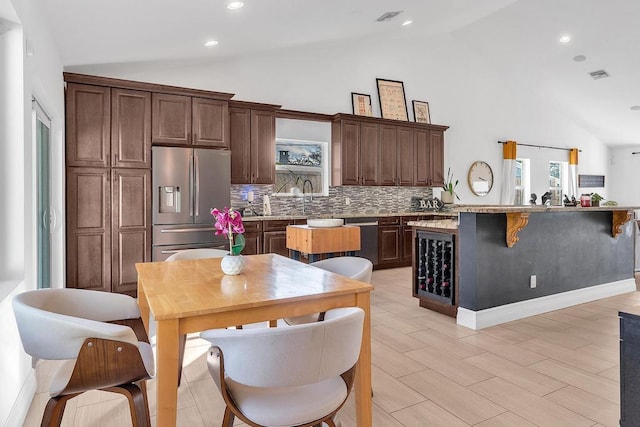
(521, 309)
(22, 404)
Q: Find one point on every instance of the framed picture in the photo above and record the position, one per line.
(361, 103)
(421, 111)
(393, 104)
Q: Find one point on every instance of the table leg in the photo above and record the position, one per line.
(167, 370)
(143, 305)
(363, 369)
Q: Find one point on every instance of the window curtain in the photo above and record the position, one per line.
(573, 173)
(508, 195)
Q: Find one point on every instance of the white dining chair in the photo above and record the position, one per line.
(357, 268)
(100, 339)
(197, 254)
(290, 376)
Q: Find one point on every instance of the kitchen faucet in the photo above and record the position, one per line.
(304, 198)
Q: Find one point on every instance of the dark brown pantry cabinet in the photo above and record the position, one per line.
(373, 151)
(110, 126)
(252, 140)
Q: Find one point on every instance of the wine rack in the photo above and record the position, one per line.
(435, 273)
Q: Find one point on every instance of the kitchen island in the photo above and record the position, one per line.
(500, 263)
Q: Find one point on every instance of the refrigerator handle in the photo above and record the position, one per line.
(197, 186)
(191, 190)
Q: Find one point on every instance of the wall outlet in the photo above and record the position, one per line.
(347, 201)
(533, 281)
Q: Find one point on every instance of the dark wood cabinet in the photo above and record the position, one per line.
(275, 237)
(372, 151)
(88, 125)
(88, 228)
(210, 123)
(131, 225)
(252, 238)
(252, 141)
(405, 152)
(130, 128)
(388, 155)
(171, 119)
(185, 120)
(389, 240)
(407, 239)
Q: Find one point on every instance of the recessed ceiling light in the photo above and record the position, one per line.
(235, 5)
(579, 58)
(564, 39)
(635, 107)
(211, 43)
(407, 22)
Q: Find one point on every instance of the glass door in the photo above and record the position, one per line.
(42, 126)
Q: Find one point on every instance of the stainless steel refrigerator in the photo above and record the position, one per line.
(187, 183)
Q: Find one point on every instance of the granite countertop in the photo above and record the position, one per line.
(538, 208)
(447, 213)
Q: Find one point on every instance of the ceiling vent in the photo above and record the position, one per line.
(600, 74)
(388, 16)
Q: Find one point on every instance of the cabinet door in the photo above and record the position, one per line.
(240, 142)
(88, 121)
(350, 152)
(276, 242)
(263, 147)
(131, 226)
(389, 244)
(88, 229)
(369, 153)
(422, 159)
(436, 140)
(388, 151)
(210, 123)
(131, 128)
(171, 119)
(252, 243)
(407, 244)
(406, 156)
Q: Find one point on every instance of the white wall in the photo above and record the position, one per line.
(464, 91)
(39, 75)
(624, 176)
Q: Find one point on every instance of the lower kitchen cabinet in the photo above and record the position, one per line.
(275, 237)
(108, 227)
(252, 238)
(389, 241)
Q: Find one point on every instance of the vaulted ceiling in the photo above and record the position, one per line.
(520, 36)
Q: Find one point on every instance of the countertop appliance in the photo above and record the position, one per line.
(187, 183)
(368, 237)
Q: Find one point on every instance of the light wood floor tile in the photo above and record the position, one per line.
(391, 394)
(456, 348)
(506, 335)
(347, 415)
(460, 401)
(393, 338)
(581, 379)
(512, 352)
(427, 414)
(587, 404)
(512, 372)
(528, 405)
(612, 374)
(507, 419)
(393, 362)
(113, 412)
(563, 354)
(455, 369)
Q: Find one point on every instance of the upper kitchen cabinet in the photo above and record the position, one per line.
(373, 151)
(107, 126)
(253, 137)
(131, 128)
(88, 121)
(186, 120)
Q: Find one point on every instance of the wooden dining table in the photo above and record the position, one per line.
(194, 295)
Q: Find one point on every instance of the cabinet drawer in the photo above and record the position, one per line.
(277, 225)
(406, 219)
(389, 220)
(251, 226)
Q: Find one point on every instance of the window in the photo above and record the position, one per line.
(522, 182)
(300, 163)
(557, 181)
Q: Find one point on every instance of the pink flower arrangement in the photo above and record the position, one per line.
(228, 223)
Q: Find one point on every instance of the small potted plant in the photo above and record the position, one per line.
(595, 199)
(228, 223)
(449, 189)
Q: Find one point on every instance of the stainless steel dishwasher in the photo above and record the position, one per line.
(368, 237)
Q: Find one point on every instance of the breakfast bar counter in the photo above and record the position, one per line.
(510, 262)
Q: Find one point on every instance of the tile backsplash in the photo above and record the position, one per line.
(341, 200)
